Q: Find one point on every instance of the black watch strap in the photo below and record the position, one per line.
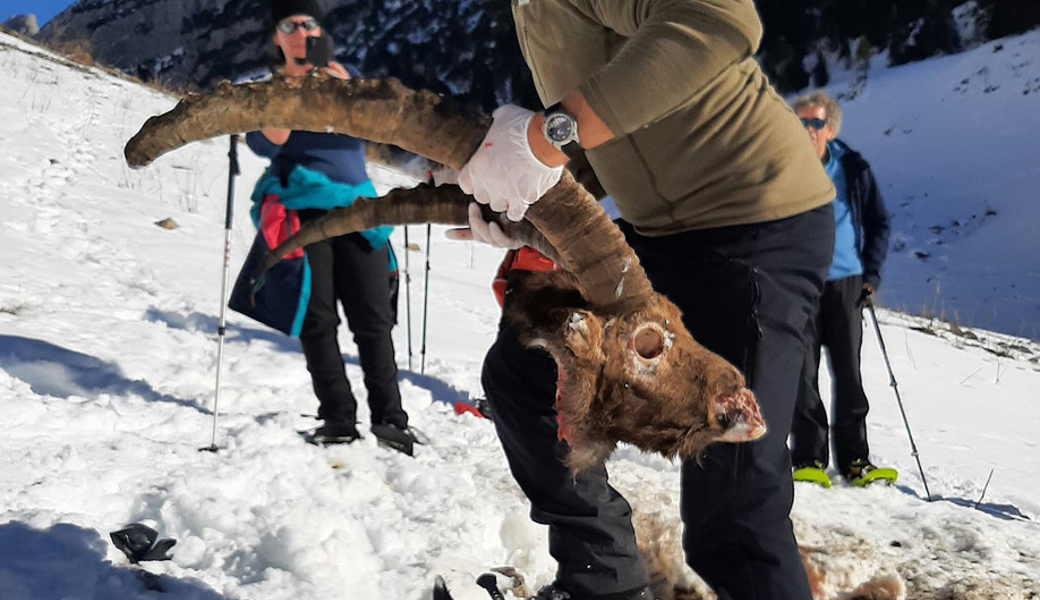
(571, 149)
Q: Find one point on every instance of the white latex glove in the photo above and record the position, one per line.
(504, 172)
(483, 232)
(489, 233)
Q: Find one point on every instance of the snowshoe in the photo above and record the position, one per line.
(483, 407)
(396, 438)
(332, 433)
(861, 472)
(812, 473)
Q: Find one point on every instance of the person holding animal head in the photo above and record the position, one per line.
(730, 215)
(860, 246)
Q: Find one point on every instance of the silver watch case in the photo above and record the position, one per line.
(559, 128)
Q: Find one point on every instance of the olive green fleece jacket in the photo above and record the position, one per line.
(702, 140)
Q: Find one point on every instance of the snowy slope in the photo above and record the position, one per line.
(107, 359)
(955, 145)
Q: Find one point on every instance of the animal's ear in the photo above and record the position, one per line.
(582, 350)
(583, 335)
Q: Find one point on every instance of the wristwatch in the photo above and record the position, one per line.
(561, 129)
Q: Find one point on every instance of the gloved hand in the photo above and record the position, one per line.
(504, 172)
(483, 232)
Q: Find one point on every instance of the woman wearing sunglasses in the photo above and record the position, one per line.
(311, 173)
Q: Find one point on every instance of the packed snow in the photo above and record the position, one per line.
(108, 359)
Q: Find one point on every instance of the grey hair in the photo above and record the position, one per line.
(823, 100)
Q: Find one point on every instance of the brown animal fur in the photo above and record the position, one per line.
(673, 397)
(659, 538)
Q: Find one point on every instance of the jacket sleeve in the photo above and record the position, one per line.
(674, 49)
(876, 228)
(260, 145)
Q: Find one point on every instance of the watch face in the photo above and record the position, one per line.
(559, 128)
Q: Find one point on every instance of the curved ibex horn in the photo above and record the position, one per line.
(588, 244)
(443, 205)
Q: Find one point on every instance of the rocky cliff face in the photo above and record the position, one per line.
(23, 24)
(442, 45)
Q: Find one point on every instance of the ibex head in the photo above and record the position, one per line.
(629, 370)
(634, 375)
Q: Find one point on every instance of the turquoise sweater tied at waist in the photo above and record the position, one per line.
(309, 189)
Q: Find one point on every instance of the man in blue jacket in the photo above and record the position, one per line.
(860, 246)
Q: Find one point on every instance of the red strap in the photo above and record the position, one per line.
(523, 259)
(529, 259)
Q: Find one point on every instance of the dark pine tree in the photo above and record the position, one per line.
(1011, 17)
(820, 76)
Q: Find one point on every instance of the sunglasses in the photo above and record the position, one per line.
(289, 27)
(816, 124)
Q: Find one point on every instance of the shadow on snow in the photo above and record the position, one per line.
(1005, 512)
(68, 561)
(51, 370)
(202, 323)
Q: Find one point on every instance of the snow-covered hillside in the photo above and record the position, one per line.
(955, 145)
(107, 359)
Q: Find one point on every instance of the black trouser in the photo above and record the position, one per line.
(838, 326)
(346, 268)
(746, 293)
(590, 524)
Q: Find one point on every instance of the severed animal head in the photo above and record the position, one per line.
(629, 369)
(633, 375)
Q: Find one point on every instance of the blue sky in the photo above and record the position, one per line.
(43, 9)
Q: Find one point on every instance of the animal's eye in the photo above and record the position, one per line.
(649, 343)
(723, 420)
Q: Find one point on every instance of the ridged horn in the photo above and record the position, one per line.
(444, 205)
(385, 111)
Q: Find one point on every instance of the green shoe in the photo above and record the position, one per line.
(861, 472)
(813, 473)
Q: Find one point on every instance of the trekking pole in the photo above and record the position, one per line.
(895, 388)
(408, 295)
(233, 171)
(426, 302)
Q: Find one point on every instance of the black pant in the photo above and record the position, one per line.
(590, 524)
(746, 293)
(838, 326)
(346, 268)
